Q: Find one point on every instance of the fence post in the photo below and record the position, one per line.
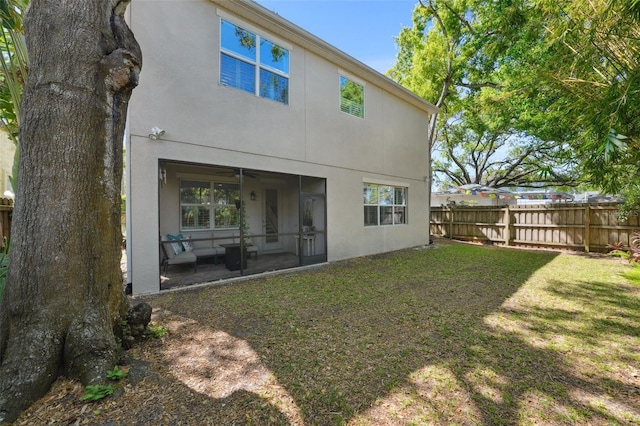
(507, 226)
(587, 227)
(451, 222)
(6, 207)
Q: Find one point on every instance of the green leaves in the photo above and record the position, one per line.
(156, 331)
(14, 63)
(116, 374)
(96, 392)
(632, 7)
(551, 78)
(498, 125)
(612, 146)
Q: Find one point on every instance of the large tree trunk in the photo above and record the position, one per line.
(64, 292)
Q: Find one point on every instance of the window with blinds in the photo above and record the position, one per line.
(209, 205)
(384, 205)
(252, 63)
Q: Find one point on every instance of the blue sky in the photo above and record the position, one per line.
(364, 29)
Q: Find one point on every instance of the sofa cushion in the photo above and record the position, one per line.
(204, 252)
(188, 245)
(167, 247)
(175, 244)
(183, 257)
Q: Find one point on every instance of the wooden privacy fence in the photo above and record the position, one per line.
(582, 227)
(6, 209)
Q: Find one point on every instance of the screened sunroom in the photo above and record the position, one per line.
(222, 222)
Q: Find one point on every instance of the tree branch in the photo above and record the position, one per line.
(475, 86)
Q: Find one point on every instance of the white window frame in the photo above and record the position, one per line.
(398, 209)
(342, 74)
(257, 64)
(211, 206)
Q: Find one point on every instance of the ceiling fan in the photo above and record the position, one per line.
(235, 172)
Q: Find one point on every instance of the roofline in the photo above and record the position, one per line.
(261, 16)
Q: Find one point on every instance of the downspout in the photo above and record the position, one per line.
(242, 221)
(429, 179)
(127, 186)
(127, 200)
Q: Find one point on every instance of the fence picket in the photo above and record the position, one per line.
(6, 209)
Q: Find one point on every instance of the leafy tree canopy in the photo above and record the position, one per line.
(14, 63)
(454, 57)
(548, 85)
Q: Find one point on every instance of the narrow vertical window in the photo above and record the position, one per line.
(238, 57)
(351, 97)
(226, 197)
(195, 205)
(370, 205)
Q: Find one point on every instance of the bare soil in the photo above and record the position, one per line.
(175, 380)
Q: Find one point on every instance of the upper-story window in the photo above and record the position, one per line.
(351, 97)
(252, 63)
(384, 204)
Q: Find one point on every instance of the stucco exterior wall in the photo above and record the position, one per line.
(208, 123)
(7, 154)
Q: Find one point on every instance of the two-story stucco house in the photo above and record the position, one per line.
(246, 125)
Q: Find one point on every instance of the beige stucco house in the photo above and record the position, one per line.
(246, 125)
(7, 154)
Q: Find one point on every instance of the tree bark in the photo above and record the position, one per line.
(64, 295)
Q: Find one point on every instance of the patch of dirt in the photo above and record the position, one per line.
(191, 377)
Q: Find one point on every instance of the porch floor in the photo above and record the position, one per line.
(208, 271)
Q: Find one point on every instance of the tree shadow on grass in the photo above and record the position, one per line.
(577, 352)
(430, 337)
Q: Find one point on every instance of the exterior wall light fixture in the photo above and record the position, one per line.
(156, 133)
(253, 195)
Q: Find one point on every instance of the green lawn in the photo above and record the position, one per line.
(454, 334)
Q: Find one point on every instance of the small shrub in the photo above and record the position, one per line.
(156, 331)
(96, 392)
(634, 248)
(618, 245)
(632, 254)
(623, 254)
(116, 374)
